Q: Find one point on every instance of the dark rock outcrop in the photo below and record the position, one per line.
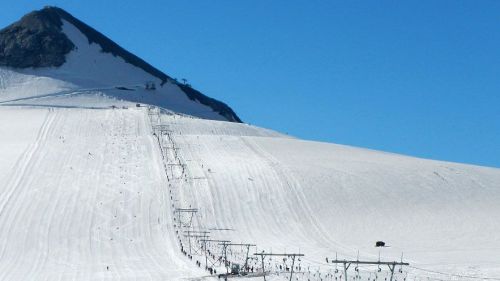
(34, 41)
(217, 106)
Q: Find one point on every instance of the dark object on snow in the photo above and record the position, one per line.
(380, 244)
(235, 269)
(124, 88)
(150, 86)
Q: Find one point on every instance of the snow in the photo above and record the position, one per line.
(291, 195)
(93, 76)
(85, 195)
(14, 146)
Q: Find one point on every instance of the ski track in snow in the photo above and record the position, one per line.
(300, 204)
(65, 93)
(25, 162)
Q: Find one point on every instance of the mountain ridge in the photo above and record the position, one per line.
(37, 41)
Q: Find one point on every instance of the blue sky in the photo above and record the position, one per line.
(415, 77)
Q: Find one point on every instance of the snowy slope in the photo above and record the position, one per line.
(291, 195)
(94, 74)
(89, 194)
(86, 199)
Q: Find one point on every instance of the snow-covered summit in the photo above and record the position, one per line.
(50, 57)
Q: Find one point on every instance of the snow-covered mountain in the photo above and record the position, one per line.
(49, 55)
(93, 192)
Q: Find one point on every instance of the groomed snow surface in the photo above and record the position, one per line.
(83, 198)
(90, 194)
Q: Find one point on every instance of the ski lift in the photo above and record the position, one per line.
(357, 264)
(336, 269)
(401, 266)
(379, 269)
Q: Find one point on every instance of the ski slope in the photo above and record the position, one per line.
(89, 194)
(83, 198)
(290, 195)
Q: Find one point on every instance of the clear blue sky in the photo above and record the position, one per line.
(415, 77)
